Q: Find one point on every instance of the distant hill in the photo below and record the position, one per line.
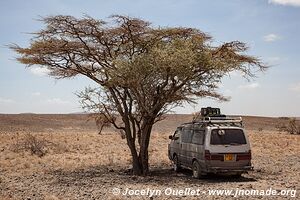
(82, 122)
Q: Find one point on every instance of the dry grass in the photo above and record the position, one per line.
(85, 165)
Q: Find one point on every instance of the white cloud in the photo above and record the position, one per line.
(57, 101)
(5, 100)
(249, 86)
(271, 37)
(39, 71)
(286, 2)
(36, 94)
(295, 87)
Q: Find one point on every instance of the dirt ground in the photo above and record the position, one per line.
(79, 163)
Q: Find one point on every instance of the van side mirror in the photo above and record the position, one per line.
(171, 137)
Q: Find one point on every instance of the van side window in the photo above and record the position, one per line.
(187, 135)
(198, 137)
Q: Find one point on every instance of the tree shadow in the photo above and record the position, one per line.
(164, 176)
(210, 178)
(79, 176)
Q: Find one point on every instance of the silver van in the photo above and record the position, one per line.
(211, 145)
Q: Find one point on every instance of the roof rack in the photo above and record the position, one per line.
(212, 117)
(224, 119)
(215, 121)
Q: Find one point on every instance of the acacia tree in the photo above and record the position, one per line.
(141, 71)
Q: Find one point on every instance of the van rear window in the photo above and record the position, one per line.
(229, 137)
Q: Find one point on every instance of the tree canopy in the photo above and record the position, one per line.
(142, 71)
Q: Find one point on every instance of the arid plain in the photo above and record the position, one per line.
(79, 163)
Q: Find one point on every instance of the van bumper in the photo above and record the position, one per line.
(221, 170)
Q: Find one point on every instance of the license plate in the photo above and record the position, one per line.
(228, 157)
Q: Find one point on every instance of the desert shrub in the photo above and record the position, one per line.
(293, 127)
(33, 144)
(36, 145)
(260, 129)
(290, 126)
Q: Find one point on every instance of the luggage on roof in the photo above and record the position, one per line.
(213, 116)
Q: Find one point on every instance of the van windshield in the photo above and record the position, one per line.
(227, 137)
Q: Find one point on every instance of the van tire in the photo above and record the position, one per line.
(176, 165)
(196, 169)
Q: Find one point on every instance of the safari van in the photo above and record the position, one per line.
(211, 143)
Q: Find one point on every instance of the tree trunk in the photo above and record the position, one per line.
(136, 165)
(144, 154)
(144, 161)
(140, 161)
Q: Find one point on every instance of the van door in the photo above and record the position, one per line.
(197, 147)
(176, 146)
(186, 139)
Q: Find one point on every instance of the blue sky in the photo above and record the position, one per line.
(270, 27)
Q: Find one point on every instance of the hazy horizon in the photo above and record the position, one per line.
(85, 113)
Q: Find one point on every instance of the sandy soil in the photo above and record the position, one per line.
(81, 164)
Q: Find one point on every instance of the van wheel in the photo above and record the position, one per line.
(196, 169)
(176, 165)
